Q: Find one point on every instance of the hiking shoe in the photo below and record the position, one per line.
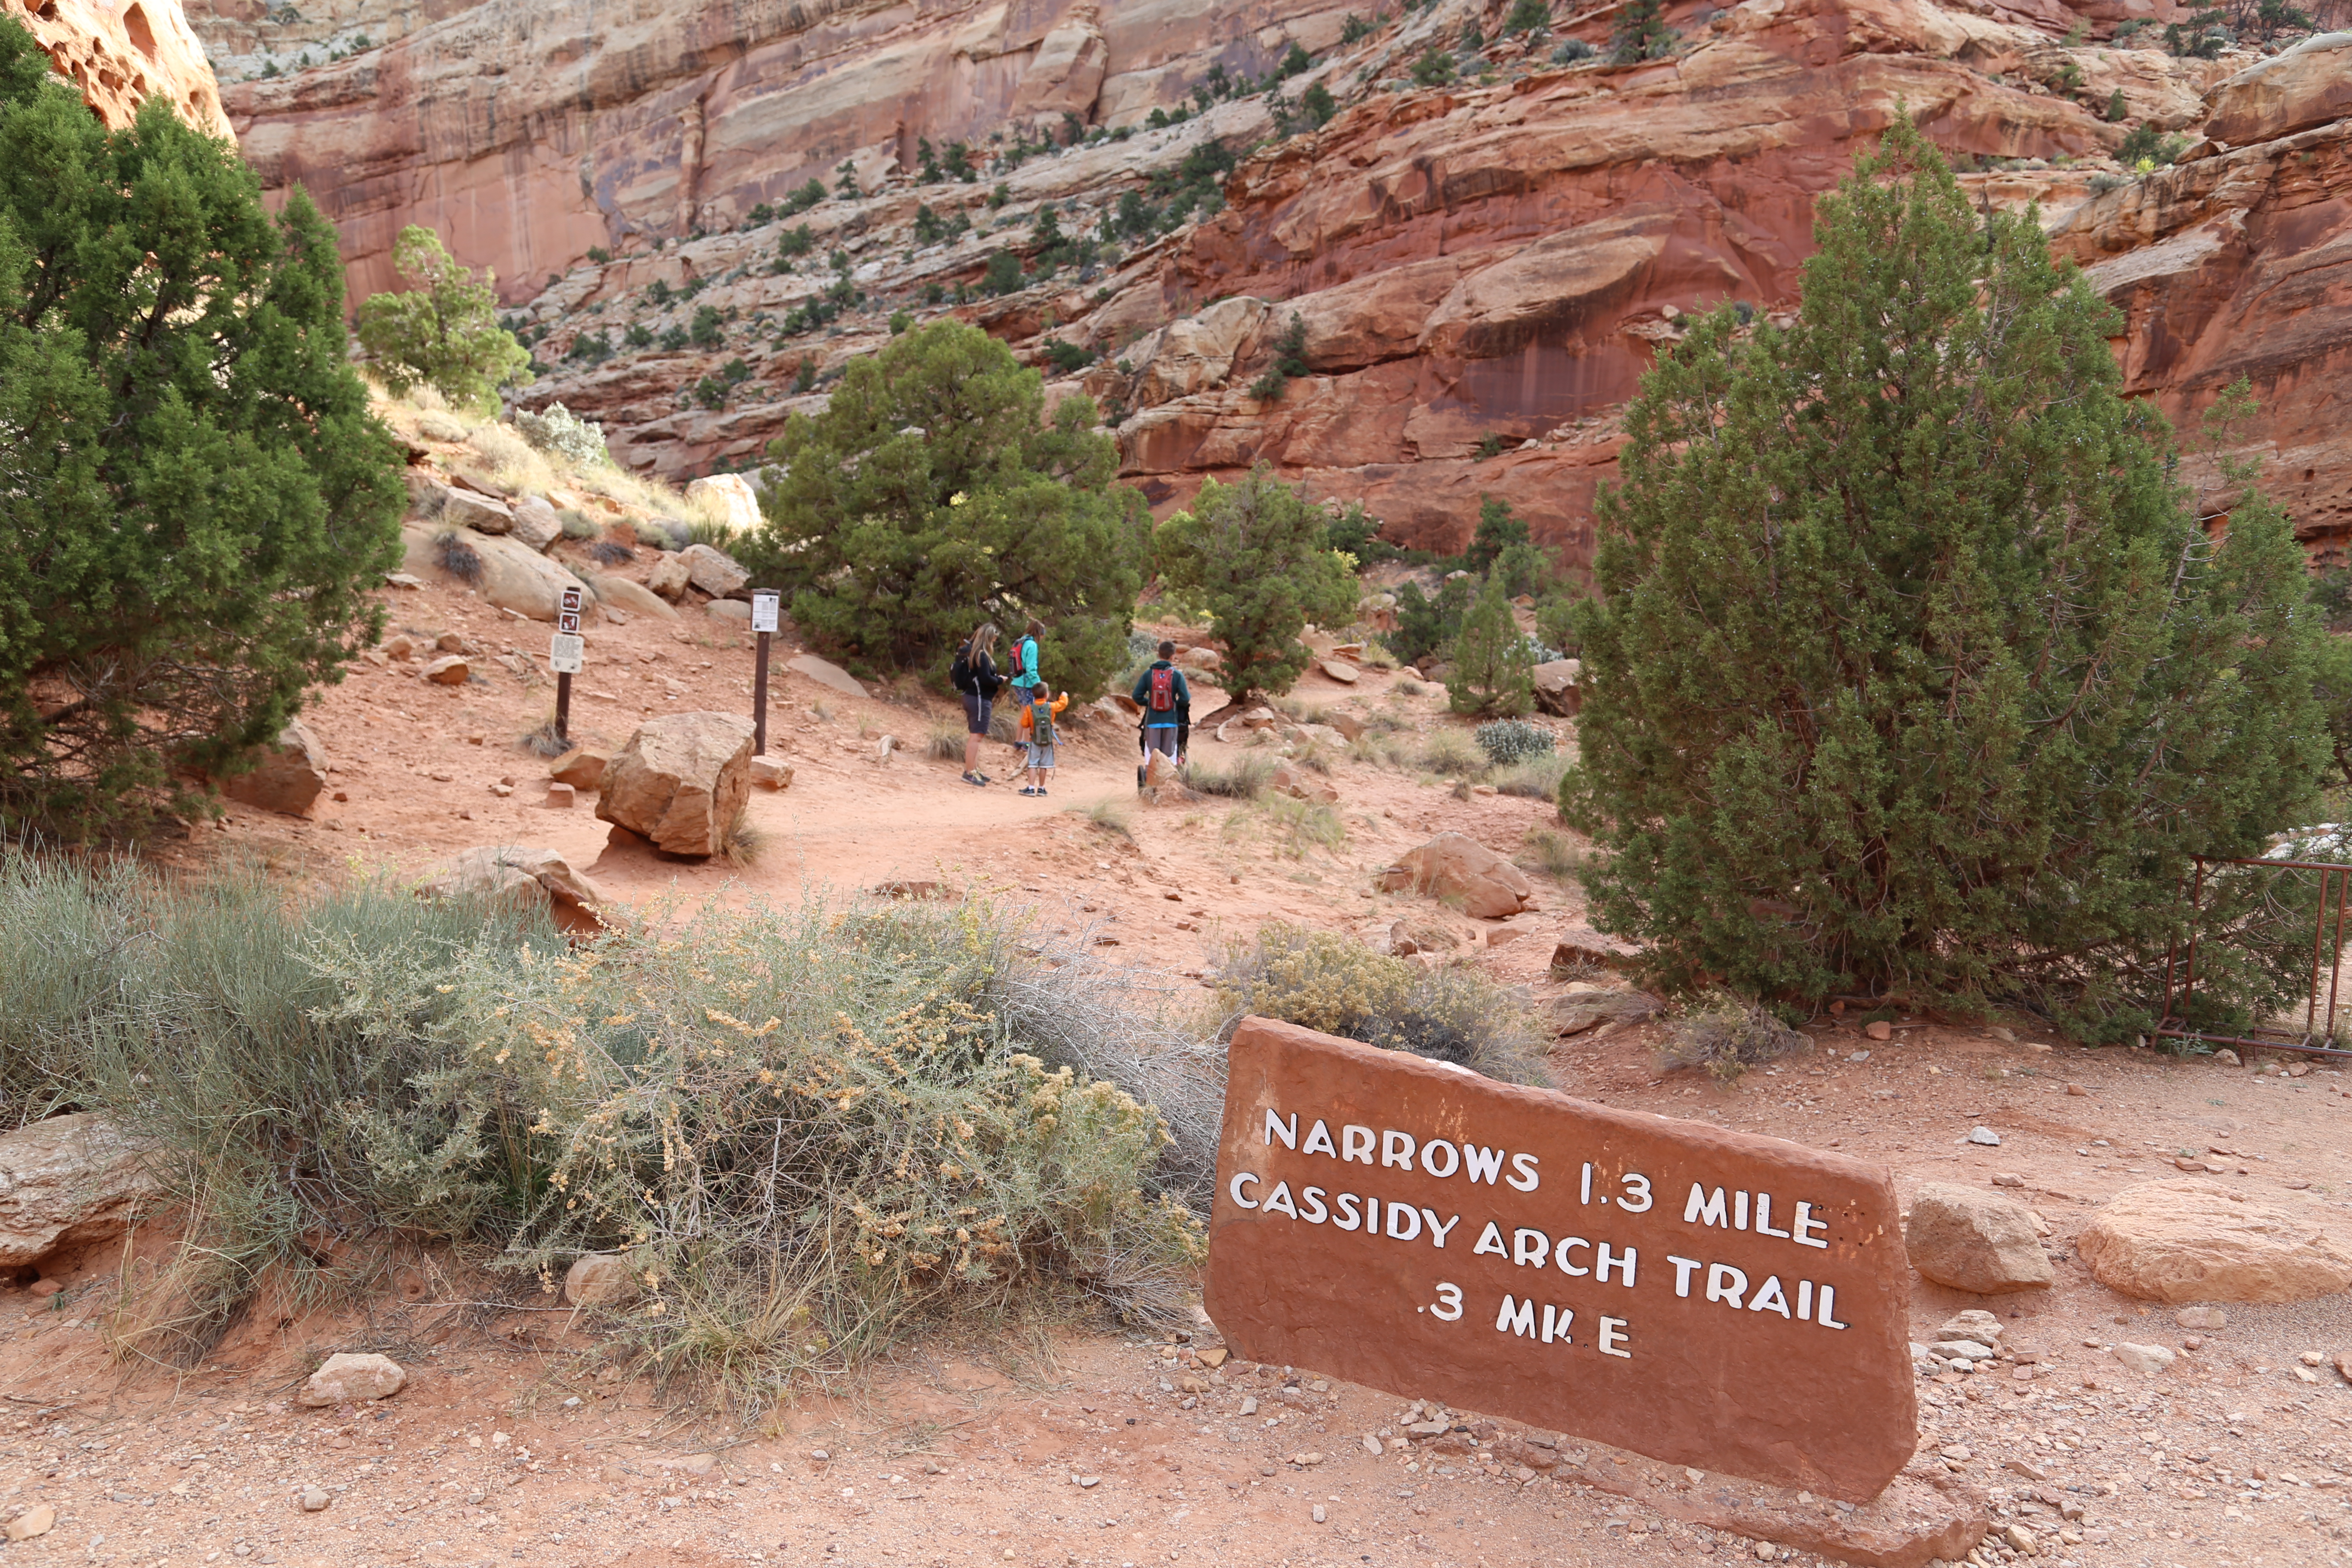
(975, 780)
(1026, 789)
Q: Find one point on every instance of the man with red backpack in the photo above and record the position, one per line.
(1167, 704)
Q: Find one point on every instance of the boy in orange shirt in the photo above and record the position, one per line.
(1037, 733)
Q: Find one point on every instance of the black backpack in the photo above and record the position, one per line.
(959, 674)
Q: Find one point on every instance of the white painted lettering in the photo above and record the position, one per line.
(1612, 1337)
(1314, 1213)
(1806, 1222)
(1356, 1143)
(1515, 1318)
(1682, 1268)
(1235, 1188)
(1529, 1246)
(1526, 1181)
(1703, 1208)
(1636, 1197)
(1829, 1305)
(1560, 1256)
(1491, 1240)
(1429, 1156)
(1555, 1324)
(1396, 1149)
(1484, 1164)
(1275, 1128)
(1279, 1202)
(1436, 1231)
(1764, 1217)
(1351, 1212)
(1410, 1216)
(1725, 1283)
(1587, 1196)
(1449, 1302)
(1770, 1297)
(1739, 1211)
(1602, 1263)
(1804, 1300)
(1318, 1142)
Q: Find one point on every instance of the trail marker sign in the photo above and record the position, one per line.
(566, 652)
(1707, 1298)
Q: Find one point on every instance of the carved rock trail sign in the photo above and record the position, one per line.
(1706, 1298)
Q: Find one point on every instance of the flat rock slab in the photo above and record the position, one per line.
(1707, 1298)
(826, 673)
(67, 1181)
(2196, 1240)
(1908, 1525)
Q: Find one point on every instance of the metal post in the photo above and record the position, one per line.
(564, 651)
(564, 708)
(763, 623)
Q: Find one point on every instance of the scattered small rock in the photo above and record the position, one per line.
(1985, 1136)
(2145, 1360)
(1879, 1029)
(37, 1519)
(314, 1501)
(345, 1378)
(2201, 1317)
(449, 669)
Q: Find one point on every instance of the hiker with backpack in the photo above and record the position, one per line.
(1025, 659)
(1037, 729)
(974, 674)
(1167, 704)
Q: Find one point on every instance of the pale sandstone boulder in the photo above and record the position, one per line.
(471, 508)
(773, 772)
(513, 873)
(535, 522)
(350, 1378)
(291, 775)
(1593, 1006)
(712, 571)
(1461, 870)
(670, 577)
(732, 610)
(449, 669)
(733, 493)
(581, 767)
(832, 676)
(634, 598)
(1974, 1240)
(1557, 691)
(513, 575)
(2310, 84)
(2187, 1240)
(68, 1181)
(681, 780)
(2145, 1360)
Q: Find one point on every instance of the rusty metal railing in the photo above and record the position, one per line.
(2328, 911)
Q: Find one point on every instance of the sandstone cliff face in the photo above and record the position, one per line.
(121, 56)
(1481, 272)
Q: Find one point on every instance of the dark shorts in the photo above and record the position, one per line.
(975, 712)
(1160, 738)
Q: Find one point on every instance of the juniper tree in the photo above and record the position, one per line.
(932, 493)
(1912, 670)
(444, 332)
(1255, 557)
(197, 499)
(1493, 669)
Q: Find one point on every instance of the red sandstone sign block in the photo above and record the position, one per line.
(1706, 1298)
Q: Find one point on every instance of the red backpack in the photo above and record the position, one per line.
(1163, 690)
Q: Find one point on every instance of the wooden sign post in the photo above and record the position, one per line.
(1707, 1298)
(566, 654)
(764, 604)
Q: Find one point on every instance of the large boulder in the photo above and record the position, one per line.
(292, 774)
(2310, 84)
(1975, 1240)
(2191, 1240)
(713, 571)
(622, 593)
(512, 873)
(68, 1181)
(681, 780)
(732, 493)
(505, 572)
(828, 674)
(350, 1377)
(471, 508)
(1557, 691)
(536, 523)
(1461, 870)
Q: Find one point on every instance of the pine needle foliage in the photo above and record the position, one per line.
(1912, 670)
(1494, 665)
(1254, 557)
(196, 499)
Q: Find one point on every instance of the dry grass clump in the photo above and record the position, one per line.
(743, 842)
(1326, 981)
(1450, 754)
(807, 1130)
(457, 558)
(1537, 779)
(1245, 780)
(1552, 853)
(1727, 1036)
(946, 742)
